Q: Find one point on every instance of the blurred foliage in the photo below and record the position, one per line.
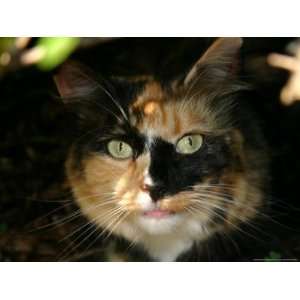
(273, 256)
(45, 52)
(6, 43)
(57, 50)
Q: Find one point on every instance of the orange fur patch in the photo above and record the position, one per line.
(156, 113)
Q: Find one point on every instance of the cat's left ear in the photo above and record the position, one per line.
(73, 80)
(218, 63)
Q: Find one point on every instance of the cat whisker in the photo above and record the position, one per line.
(222, 197)
(116, 221)
(132, 244)
(111, 227)
(237, 227)
(257, 211)
(195, 211)
(45, 216)
(109, 111)
(59, 222)
(114, 101)
(269, 198)
(69, 249)
(224, 219)
(71, 217)
(51, 201)
(93, 220)
(63, 255)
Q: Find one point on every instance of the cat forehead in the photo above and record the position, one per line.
(155, 112)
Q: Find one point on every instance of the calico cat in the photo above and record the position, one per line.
(166, 165)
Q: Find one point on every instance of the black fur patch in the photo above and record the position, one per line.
(173, 172)
(98, 118)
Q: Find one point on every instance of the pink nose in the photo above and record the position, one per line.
(145, 187)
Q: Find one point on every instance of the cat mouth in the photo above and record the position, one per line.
(158, 213)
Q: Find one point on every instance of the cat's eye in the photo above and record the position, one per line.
(119, 149)
(189, 144)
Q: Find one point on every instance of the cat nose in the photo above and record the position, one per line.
(147, 183)
(156, 193)
(145, 187)
(155, 189)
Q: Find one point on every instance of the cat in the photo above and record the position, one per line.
(166, 165)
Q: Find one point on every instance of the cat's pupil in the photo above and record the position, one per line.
(120, 147)
(190, 141)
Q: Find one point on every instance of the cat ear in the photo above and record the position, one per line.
(74, 80)
(218, 62)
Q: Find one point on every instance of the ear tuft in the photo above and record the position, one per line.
(218, 62)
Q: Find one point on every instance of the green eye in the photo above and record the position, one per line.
(189, 144)
(119, 149)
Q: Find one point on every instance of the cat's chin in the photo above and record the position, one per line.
(159, 222)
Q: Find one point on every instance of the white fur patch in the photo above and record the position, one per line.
(147, 178)
(145, 201)
(167, 248)
(167, 238)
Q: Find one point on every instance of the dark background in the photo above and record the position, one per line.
(34, 141)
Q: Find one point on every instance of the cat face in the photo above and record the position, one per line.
(160, 160)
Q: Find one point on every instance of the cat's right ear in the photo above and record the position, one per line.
(74, 81)
(219, 63)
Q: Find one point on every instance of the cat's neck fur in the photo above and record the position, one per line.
(169, 246)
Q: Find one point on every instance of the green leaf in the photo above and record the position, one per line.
(273, 256)
(56, 50)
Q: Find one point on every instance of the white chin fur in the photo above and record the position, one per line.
(163, 225)
(164, 239)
